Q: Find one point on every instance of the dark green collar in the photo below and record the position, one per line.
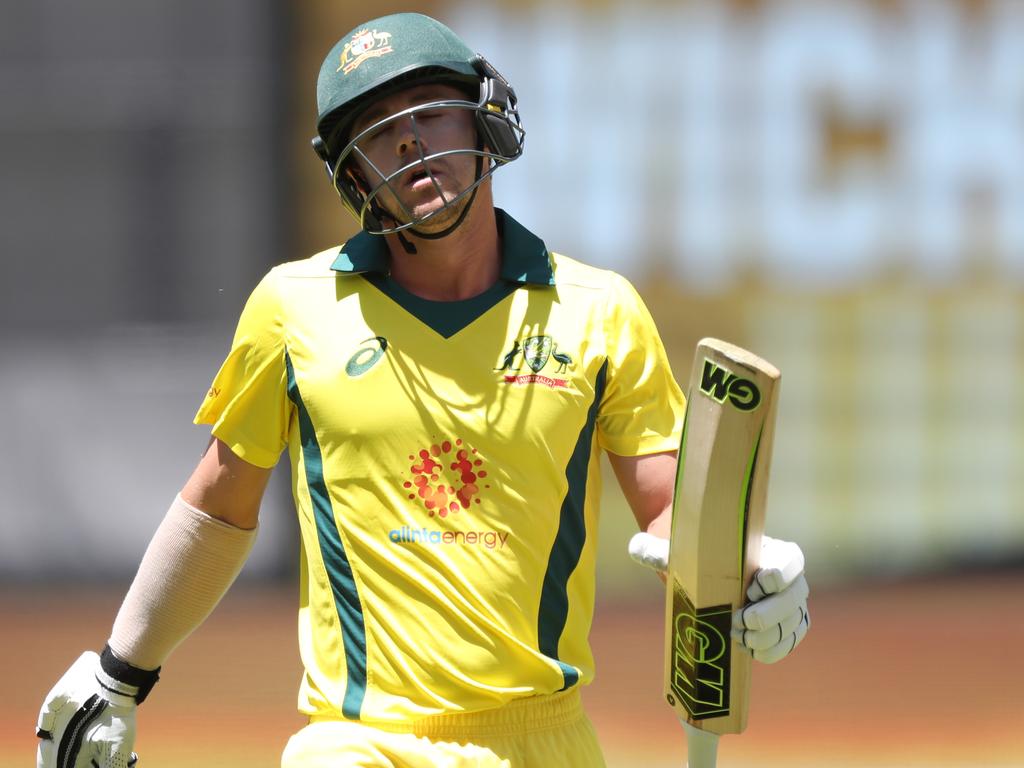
(524, 257)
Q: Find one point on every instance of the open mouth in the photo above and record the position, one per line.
(420, 177)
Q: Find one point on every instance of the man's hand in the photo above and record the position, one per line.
(650, 550)
(88, 719)
(776, 619)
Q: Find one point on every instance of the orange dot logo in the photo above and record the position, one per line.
(447, 477)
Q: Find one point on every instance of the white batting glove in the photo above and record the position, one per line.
(776, 619)
(88, 718)
(650, 550)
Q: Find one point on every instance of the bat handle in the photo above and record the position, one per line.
(701, 747)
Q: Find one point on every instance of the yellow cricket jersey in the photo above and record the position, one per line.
(445, 466)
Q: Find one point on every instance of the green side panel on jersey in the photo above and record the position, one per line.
(332, 551)
(569, 541)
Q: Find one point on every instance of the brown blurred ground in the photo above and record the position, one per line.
(915, 674)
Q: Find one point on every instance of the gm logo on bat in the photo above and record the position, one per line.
(720, 384)
(701, 658)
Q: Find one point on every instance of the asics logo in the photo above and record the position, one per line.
(366, 356)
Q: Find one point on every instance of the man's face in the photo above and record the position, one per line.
(402, 143)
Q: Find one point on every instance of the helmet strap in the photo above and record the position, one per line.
(406, 243)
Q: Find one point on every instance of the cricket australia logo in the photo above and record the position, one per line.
(363, 46)
(536, 352)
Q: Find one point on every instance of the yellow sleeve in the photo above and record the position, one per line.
(247, 404)
(642, 408)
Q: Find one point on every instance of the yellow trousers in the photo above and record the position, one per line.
(538, 732)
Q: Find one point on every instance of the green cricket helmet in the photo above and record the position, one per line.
(382, 57)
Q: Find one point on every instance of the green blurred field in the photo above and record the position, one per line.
(899, 675)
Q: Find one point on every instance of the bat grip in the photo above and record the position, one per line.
(701, 747)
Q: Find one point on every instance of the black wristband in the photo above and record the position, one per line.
(123, 672)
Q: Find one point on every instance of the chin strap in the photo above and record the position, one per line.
(406, 243)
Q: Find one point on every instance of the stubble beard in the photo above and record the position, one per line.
(441, 214)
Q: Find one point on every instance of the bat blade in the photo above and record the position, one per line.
(717, 523)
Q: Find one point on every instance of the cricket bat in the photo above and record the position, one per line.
(717, 522)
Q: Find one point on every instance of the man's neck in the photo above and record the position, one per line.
(460, 266)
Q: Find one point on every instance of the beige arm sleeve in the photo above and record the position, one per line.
(188, 566)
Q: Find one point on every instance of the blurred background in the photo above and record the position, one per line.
(837, 185)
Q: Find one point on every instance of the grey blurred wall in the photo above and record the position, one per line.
(142, 197)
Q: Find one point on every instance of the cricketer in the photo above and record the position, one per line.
(445, 385)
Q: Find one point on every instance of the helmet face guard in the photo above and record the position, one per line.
(500, 138)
